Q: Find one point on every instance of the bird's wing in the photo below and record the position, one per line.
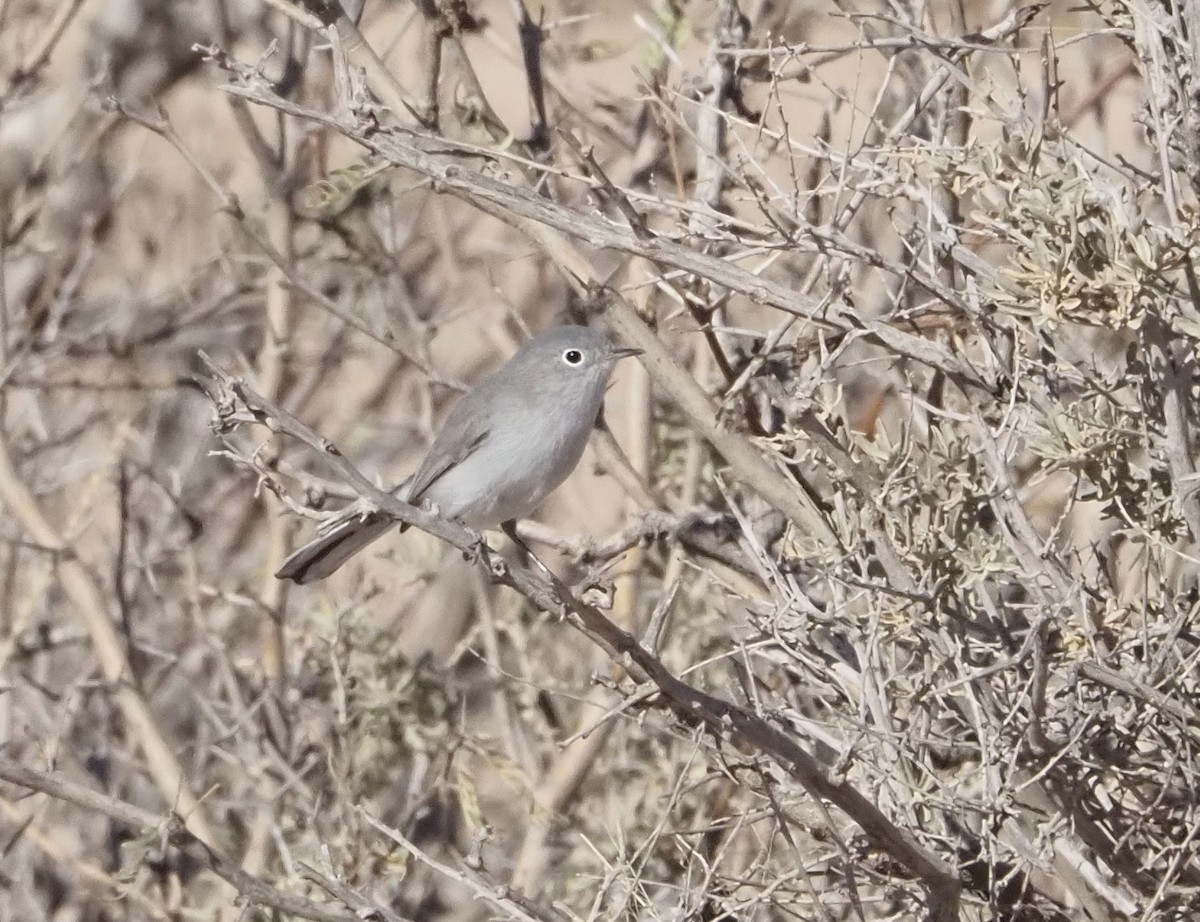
(464, 430)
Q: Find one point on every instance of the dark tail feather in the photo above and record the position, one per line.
(325, 553)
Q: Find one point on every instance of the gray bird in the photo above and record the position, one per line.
(506, 444)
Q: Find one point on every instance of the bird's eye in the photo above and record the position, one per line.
(573, 357)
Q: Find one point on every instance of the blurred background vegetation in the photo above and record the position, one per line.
(971, 357)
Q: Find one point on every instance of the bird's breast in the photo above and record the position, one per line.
(509, 474)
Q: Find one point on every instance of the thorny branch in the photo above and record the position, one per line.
(236, 403)
(905, 507)
(173, 831)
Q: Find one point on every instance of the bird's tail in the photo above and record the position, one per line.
(328, 551)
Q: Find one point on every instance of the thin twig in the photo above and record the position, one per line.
(236, 402)
(253, 890)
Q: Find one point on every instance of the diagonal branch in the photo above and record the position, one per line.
(250, 888)
(445, 162)
(92, 610)
(238, 403)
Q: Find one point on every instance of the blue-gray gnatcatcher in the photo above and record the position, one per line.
(505, 445)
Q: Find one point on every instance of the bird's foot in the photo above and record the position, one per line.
(482, 553)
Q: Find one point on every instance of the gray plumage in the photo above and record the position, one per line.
(504, 446)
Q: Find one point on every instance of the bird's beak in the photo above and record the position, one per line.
(624, 353)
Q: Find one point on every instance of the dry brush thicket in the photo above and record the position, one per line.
(875, 597)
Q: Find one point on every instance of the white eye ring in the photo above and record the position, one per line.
(573, 357)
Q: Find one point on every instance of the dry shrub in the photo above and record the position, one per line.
(904, 516)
